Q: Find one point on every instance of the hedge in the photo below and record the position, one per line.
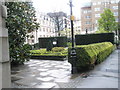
(89, 55)
(94, 38)
(61, 41)
(56, 51)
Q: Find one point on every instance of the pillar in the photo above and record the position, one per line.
(5, 76)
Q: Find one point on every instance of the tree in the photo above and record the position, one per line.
(58, 19)
(21, 20)
(107, 21)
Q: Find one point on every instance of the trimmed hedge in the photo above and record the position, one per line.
(89, 55)
(94, 38)
(56, 51)
(61, 41)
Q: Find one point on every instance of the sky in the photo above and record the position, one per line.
(59, 5)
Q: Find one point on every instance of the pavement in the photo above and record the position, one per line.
(57, 74)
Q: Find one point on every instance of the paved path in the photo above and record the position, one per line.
(56, 74)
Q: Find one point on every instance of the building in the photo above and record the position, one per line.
(86, 18)
(46, 29)
(66, 31)
(49, 25)
(91, 13)
(59, 20)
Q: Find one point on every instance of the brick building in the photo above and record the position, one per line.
(91, 13)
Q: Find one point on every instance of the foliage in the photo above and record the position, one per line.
(60, 41)
(58, 19)
(21, 19)
(65, 32)
(54, 52)
(89, 55)
(107, 21)
(94, 38)
(49, 46)
(69, 44)
(57, 49)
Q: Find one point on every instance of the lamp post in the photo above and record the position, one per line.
(73, 51)
(72, 18)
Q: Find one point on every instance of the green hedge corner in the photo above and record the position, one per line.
(89, 55)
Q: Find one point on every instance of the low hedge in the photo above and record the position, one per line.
(89, 55)
(56, 51)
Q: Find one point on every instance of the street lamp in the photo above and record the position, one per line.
(55, 42)
(73, 50)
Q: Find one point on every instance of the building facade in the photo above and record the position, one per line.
(46, 29)
(91, 13)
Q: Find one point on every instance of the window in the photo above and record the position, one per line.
(97, 9)
(96, 21)
(88, 17)
(40, 35)
(32, 41)
(115, 13)
(115, 7)
(96, 28)
(85, 11)
(113, 1)
(47, 29)
(99, 3)
(94, 3)
(40, 29)
(116, 19)
(90, 28)
(97, 15)
(43, 29)
(89, 11)
(88, 22)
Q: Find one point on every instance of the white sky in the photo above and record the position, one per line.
(59, 5)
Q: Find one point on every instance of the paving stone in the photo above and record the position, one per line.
(45, 85)
(45, 79)
(44, 74)
(47, 66)
(42, 69)
(15, 78)
(27, 82)
(53, 71)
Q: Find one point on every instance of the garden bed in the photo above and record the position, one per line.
(57, 53)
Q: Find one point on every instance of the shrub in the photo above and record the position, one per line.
(89, 55)
(49, 46)
(41, 51)
(22, 55)
(69, 44)
(61, 41)
(58, 49)
(94, 38)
